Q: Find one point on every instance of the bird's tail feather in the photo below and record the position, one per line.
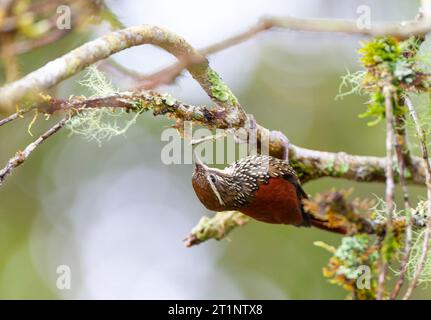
(324, 225)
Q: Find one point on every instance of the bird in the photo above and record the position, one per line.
(262, 187)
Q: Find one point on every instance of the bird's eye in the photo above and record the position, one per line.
(213, 178)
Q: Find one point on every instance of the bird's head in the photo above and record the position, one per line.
(213, 187)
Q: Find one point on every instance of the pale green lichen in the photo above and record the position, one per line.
(348, 252)
(420, 212)
(103, 123)
(415, 254)
(219, 90)
(393, 243)
(168, 99)
(349, 262)
(351, 83)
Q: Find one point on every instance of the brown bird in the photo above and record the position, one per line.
(262, 187)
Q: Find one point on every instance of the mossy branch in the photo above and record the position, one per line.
(71, 63)
(216, 227)
(309, 164)
(22, 156)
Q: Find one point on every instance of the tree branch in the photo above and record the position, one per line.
(309, 164)
(425, 244)
(91, 52)
(73, 62)
(390, 184)
(13, 116)
(401, 30)
(21, 156)
(401, 159)
(216, 227)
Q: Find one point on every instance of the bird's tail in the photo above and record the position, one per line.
(324, 225)
(309, 220)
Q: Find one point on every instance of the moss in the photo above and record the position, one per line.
(329, 167)
(219, 90)
(336, 170)
(303, 171)
(387, 61)
(381, 49)
(391, 245)
(343, 168)
(375, 108)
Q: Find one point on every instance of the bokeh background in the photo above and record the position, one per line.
(117, 216)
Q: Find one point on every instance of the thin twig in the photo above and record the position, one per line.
(390, 185)
(27, 45)
(401, 159)
(21, 156)
(402, 30)
(168, 74)
(401, 140)
(214, 137)
(423, 143)
(14, 116)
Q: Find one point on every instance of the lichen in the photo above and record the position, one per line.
(100, 124)
(168, 99)
(216, 227)
(219, 90)
(351, 259)
(386, 62)
(351, 83)
(420, 212)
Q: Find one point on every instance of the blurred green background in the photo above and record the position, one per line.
(117, 216)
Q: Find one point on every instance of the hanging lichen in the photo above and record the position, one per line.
(417, 249)
(103, 123)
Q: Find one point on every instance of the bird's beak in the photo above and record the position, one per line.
(199, 165)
